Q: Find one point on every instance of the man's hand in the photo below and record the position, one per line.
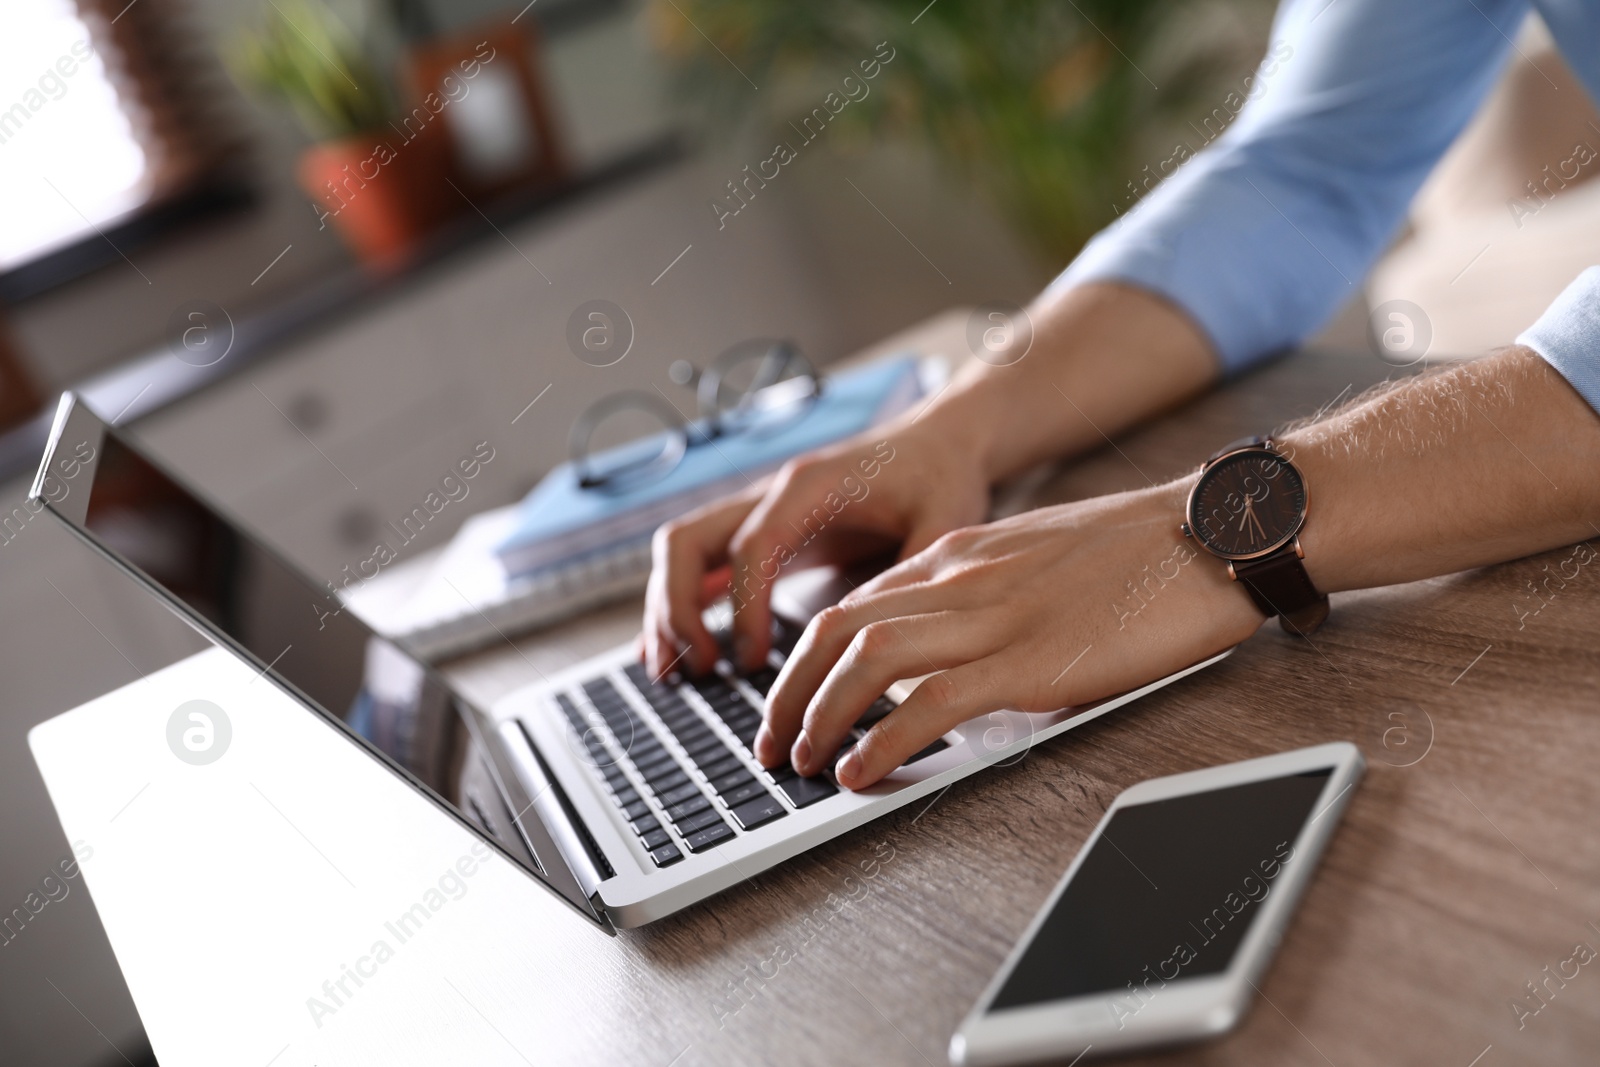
(1102, 358)
(1065, 605)
(1048, 609)
(900, 486)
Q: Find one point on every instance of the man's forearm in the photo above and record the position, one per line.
(1490, 461)
(1103, 358)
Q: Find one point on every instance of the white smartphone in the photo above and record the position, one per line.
(1169, 915)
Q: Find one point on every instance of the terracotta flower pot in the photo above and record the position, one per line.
(383, 193)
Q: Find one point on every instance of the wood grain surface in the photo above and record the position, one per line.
(1469, 860)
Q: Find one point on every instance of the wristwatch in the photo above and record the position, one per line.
(1247, 507)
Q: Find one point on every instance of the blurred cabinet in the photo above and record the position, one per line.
(343, 432)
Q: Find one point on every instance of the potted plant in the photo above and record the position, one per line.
(1065, 114)
(380, 186)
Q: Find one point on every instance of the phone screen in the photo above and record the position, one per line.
(1167, 891)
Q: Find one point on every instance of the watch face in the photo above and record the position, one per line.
(1248, 504)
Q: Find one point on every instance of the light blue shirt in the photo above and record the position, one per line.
(1262, 236)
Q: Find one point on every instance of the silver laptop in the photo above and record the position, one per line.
(629, 797)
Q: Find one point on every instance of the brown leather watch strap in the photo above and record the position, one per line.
(1280, 586)
(1257, 441)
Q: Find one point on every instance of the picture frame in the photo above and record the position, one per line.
(483, 87)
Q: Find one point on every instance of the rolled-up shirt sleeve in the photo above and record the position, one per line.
(1567, 335)
(1263, 235)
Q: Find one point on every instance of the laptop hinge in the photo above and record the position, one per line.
(543, 796)
(597, 861)
(537, 811)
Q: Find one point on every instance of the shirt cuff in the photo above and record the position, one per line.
(1209, 240)
(1567, 335)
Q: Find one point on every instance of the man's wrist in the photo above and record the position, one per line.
(1231, 607)
(1488, 461)
(1098, 358)
(1331, 507)
(967, 416)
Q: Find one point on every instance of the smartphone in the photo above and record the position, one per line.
(1169, 915)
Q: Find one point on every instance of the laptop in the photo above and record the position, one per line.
(629, 797)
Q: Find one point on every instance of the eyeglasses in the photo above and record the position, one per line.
(755, 387)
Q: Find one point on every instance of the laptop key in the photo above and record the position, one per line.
(939, 745)
(746, 716)
(741, 793)
(655, 839)
(646, 824)
(710, 743)
(683, 792)
(763, 809)
(655, 761)
(698, 821)
(697, 739)
(644, 748)
(704, 755)
(659, 769)
(666, 855)
(684, 723)
(710, 837)
(681, 720)
(659, 705)
(877, 710)
(710, 685)
(627, 729)
(725, 764)
(803, 791)
(635, 810)
(671, 779)
(785, 635)
(616, 715)
(745, 731)
(684, 808)
(626, 796)
(733, 779)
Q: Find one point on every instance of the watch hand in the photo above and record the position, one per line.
(1250, 516)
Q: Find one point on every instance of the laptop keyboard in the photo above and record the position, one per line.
(704, 784)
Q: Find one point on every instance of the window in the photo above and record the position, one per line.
(70, 163)
(113, 128)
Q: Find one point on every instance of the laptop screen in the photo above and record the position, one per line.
(270, 608)
(208, 565)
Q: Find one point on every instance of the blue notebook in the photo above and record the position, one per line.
(560, 522)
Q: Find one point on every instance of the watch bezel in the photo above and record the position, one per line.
(1287, 539)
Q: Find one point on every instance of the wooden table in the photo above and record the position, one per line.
(1469, 860)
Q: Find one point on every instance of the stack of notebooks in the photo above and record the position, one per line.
(565, 549)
